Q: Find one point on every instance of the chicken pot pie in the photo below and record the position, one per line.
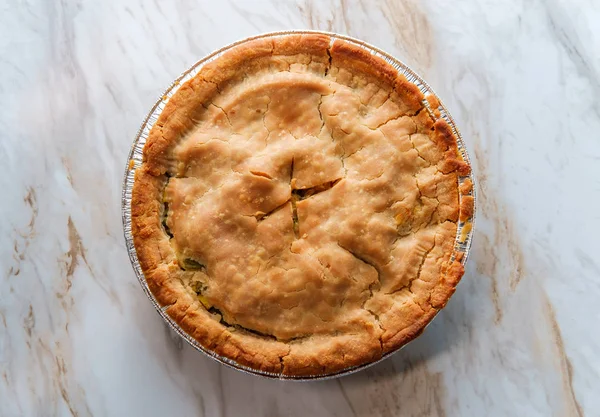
(297, 207)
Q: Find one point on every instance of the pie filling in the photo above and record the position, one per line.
(309, 200)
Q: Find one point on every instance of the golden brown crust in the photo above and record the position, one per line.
(467, 207)
(347, 55)
(434, 105)
(450, 279)
(466, 187)
(315, 45)
(245, 349)
(332, 355)
(361, 300)
(467, 204)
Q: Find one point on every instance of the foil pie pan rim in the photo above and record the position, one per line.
(134, 160)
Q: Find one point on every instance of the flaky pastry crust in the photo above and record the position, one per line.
(297, 207)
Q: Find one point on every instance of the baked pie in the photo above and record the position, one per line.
(297, 206)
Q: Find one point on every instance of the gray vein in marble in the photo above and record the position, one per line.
(79, 337)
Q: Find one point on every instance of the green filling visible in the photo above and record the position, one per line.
(165, 214)
(192, 265)
(296, 224)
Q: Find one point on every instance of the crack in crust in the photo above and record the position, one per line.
(374, 285)
(324, 234)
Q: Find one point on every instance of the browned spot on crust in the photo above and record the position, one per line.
(434, 105)
(466, 187)
(566, 368)
(467, 207)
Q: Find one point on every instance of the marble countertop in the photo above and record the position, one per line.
(519, 338)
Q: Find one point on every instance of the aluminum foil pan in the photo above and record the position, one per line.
(463, 237)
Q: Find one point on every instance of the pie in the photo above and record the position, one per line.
(297, 206)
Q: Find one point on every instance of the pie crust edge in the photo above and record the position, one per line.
(324, 355)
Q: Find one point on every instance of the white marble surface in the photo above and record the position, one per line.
(520, 337)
